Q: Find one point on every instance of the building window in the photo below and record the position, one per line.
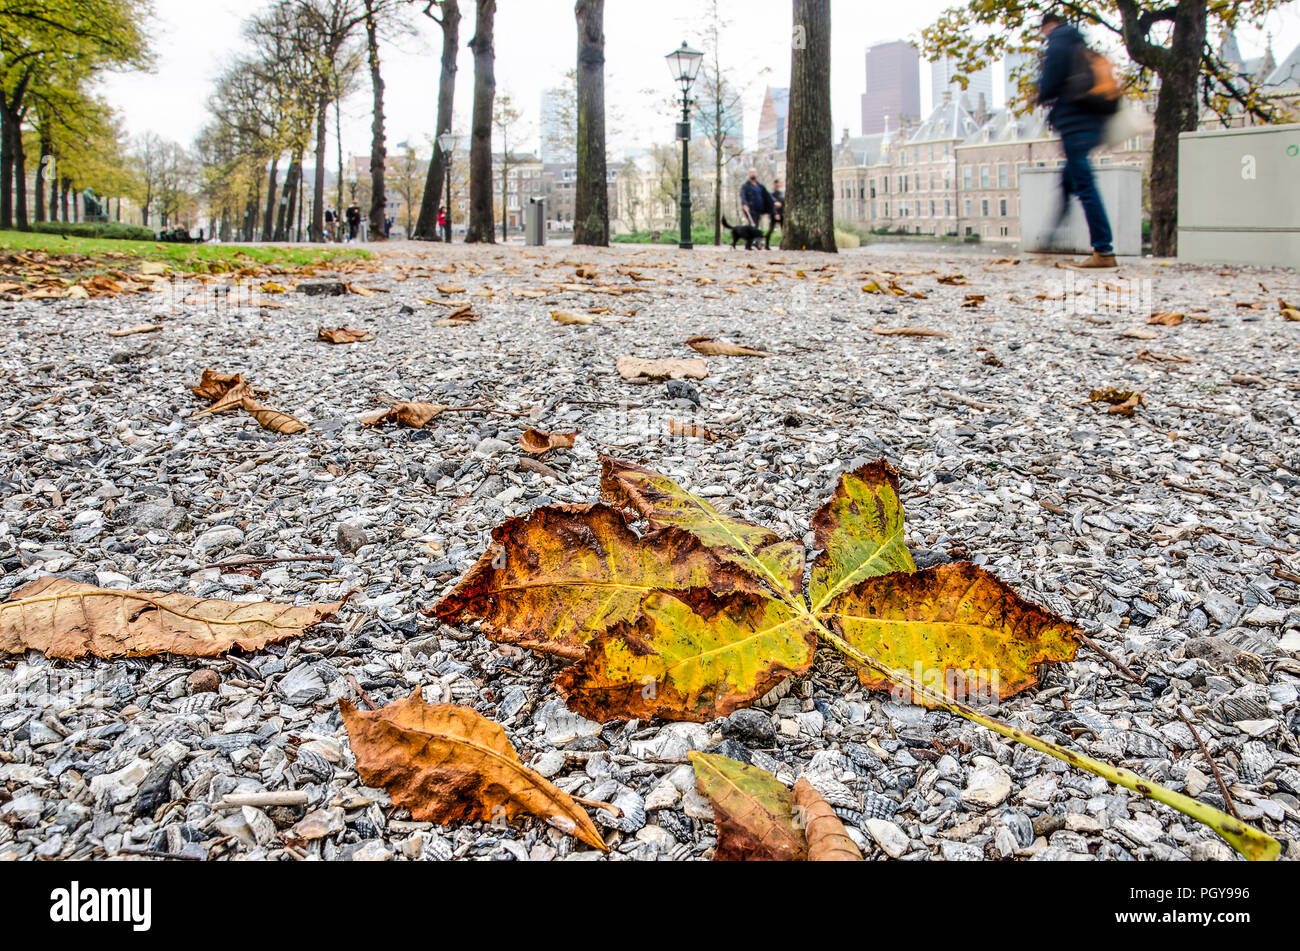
(985, 203)
(1002, 176)
(1004, 208)
(947, 207)
(984, 176)
(968, 211)
(966, 176)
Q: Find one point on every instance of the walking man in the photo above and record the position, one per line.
(754, 199)
(1064, 86)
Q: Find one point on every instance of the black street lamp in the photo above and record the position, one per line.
(684, 64)
(448, 142)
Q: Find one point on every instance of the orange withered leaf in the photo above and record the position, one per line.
(827, 840)
(535, 442)
(414, 415)
(68, 619)
(718, 348)
(343, 334)
(446, 763)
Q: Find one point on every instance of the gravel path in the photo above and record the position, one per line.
(1169, 536)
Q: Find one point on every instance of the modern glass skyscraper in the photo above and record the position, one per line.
(893, 86)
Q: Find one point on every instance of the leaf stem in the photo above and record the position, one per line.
(1249, 841)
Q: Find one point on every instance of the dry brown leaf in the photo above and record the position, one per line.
(1166, 319)
(137, 329)
(571, 317)
(717, 348)
(631, 368)
(414, 415)
(447, 763)
(827, 840)
(952, 279)
(463, 314)
(450, 289)
(68, 619)
(343, 335)
(1122, 402)
(907, 332)
(1289, 312)
(973, 300)
(675, 427)
(1136, 333)
(272, 419)
(1151, 356)
(214, 384)
(535, 442)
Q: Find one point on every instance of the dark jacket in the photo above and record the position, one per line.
(1060, 65)
(755, 197)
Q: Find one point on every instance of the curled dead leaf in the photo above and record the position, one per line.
(1166, 319)
(536, 442)
(1122, 402)
(446, 763)
(343, 335)
(137, 329)
(827, 840)
(717, 348)
(415, 415)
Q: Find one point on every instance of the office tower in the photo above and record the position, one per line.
(893, 86)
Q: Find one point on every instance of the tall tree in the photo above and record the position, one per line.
(378, 150)
(591, 198)
(448, 18)
(810, 193)
(505, 116)
(1168, 43)
(481, 223)
(717, 108)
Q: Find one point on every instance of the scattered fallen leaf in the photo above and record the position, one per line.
(343, 335)
(1289, 312)
(1151, 356)
(952, 279)
(272, 419)
(68, 619)
(464, 314)
(675, 427)
(716, 348)
(270, 287)
(535, 442)
(1122, 402)
(415, 415)
(1135, 333)
(137, 329)
(632, 368)
(446, 763)
(973, 300)
(450, 289)
(571, 317)
(1166, 319)
(827, 840)
(228, 391)
(754, 811)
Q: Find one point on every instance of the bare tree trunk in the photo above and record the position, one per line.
(480, 152)
(288, 198)
(1176, 112)
(41, 165)
(426, 226)
(810, 208)
(338, 141)
(65, 186)
(591, 199)
(6, 168)
(318, 179)
(268, 219)
(378, 153)
(20, 179)
(54, 199)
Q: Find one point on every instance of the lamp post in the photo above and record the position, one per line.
(684, 64)
(448, 142)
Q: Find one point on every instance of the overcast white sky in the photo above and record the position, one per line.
(535, 46)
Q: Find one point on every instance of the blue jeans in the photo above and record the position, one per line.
(1077, 179)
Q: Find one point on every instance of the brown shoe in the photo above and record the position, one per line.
(1096, 262)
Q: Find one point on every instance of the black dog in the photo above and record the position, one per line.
(747, 233)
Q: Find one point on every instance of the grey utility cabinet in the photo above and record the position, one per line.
(1239, 196)
(1040, 204)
